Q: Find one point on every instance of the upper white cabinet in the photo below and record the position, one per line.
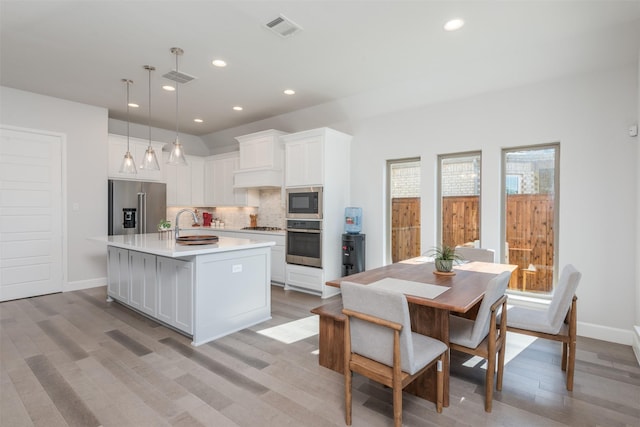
(312, 157)
(179, 182)
(218, 183)
(197, 180)
(117, 149)
(304, 162)
(261, 160)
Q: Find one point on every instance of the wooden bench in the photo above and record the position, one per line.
(331, 335)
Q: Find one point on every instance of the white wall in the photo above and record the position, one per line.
(85, 128)
(588, 114)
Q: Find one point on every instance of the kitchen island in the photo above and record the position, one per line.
(204, 291)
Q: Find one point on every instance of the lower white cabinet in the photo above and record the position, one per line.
(175, 293)
(278, 261)
(307, 279)
(143, 292)
(157, 286)
(118, 271)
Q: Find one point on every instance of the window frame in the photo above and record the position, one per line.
(556, 146)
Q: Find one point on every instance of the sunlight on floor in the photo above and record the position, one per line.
(293, 331)
(516, 343)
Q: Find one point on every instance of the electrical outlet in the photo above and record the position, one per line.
(236, 268)
(633, 130)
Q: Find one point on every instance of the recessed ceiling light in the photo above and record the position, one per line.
(238, 108)
(454, 24)
(133, 105)
(289, 92)
(198, 120)
(219, 63)
(168, 88)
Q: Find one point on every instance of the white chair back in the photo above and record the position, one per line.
(495, 290)
(476, 254)
(375, 341)
(562, 296)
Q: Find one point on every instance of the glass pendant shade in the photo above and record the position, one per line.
(128, 166)
(177, 155)
(150, 160)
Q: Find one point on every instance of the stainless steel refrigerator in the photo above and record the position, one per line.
(136, 207)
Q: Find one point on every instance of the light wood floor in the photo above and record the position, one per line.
(73, 359)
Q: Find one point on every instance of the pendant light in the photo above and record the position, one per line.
(177, 153)
(128, 165)
(150, 160)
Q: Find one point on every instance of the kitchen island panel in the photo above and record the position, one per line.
(233, 292)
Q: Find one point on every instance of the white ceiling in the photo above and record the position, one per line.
(80, 51)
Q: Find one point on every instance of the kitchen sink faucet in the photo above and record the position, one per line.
(195, 220)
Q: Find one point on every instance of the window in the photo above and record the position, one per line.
(530, 215)
(404, 207)
(459, 199)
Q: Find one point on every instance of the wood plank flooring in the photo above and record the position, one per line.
(72, 359)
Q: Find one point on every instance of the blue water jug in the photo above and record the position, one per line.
(352, 220)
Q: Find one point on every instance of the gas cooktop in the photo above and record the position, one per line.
(262, 228)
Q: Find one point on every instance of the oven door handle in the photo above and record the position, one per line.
(304, 231)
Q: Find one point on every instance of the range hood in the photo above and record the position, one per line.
(261, 160)
(258, 178)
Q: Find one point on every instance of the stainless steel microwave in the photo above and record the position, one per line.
(304, 203)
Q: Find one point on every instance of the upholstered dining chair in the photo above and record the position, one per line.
(557, 323)
(483, 336)
(380, 345)
(476, 254)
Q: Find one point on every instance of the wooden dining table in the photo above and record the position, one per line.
(430, 316)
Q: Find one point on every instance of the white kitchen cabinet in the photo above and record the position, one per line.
(118, 274)
(117, 149)
(278, 262)
(320, 157)
(180, 182)
(143, 282)
(304, 162)
(218, 183)
(175, 280)
(197, 180)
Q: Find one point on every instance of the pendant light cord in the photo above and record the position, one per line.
(128, 83)
(149, 68)
(177, 86)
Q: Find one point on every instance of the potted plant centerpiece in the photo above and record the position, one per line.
(443, 257)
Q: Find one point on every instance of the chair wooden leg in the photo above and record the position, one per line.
(440, 383)
(491, 371)
(564, 356)
(500, 367)
(397, 405)
(347, 395)
(572, 363)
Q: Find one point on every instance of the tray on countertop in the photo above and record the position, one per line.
(197, 240)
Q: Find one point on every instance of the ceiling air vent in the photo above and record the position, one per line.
(178, 76)
(283, 26)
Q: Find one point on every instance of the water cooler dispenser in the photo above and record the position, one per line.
(353, 243)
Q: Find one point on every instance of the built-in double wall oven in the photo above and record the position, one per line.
(304, 226)
(304, 242)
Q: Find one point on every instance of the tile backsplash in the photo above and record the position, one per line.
(271, 212)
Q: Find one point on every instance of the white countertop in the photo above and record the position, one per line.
(164, 244)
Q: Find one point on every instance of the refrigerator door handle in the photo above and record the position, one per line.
(142, 213)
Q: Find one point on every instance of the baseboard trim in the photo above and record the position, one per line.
(605, 333)
(84, 284)
(636, 342)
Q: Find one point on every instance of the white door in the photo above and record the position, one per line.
(30, 213)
